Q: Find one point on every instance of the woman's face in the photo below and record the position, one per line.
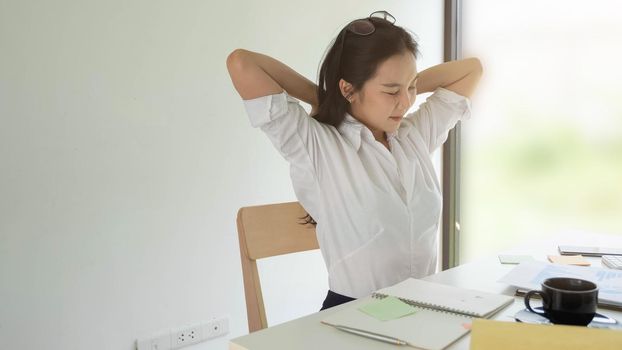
(384, 99)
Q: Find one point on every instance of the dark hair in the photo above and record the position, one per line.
(355, 58)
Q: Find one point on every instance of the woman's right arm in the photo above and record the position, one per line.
(279, 115)
(256, 75)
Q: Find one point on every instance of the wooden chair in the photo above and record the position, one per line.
(265, 231)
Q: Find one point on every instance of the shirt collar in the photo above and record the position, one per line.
(353, 130)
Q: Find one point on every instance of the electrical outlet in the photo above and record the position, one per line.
(216, 328)
(186, 336)
(181, 337)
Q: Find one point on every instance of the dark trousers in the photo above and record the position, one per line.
(334, 299)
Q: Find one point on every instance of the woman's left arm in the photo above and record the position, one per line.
(459, 76)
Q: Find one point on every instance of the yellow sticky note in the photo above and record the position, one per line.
(495, 335)
(569, 260)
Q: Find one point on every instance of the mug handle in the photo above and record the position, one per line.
(529, 295)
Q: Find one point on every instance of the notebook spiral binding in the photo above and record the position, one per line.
(432, 307)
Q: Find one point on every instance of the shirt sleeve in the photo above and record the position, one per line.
(436, 116)
(290, 128)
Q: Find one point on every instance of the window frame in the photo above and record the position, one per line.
(450, 168)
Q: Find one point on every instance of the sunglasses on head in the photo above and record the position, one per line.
(365, 26)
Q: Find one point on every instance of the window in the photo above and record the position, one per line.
(542, 154)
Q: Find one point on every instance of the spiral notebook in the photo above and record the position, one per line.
(443, 313)
(443, 297)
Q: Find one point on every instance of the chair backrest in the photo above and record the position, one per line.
(265, 231)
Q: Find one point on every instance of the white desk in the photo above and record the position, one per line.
(308, 333)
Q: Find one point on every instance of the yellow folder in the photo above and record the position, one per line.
(495, 335)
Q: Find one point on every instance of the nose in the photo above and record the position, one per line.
(404, 101)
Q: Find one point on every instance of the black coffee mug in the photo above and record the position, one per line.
(566, 300)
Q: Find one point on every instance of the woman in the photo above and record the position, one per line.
(360, 167)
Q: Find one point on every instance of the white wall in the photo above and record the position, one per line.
(125, 154)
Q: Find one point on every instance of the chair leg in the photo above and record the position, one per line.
(252, 288)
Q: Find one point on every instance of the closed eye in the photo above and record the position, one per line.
(397, 92)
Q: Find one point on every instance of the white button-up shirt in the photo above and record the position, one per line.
(377, 211)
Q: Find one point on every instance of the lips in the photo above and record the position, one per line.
(396, 118)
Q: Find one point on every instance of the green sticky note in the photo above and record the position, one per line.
(388, 308)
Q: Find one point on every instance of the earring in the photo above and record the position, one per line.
(349, 97)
